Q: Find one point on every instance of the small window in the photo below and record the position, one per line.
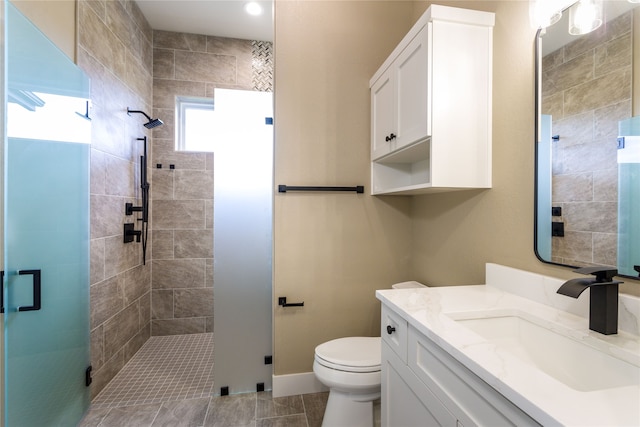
(193, 124)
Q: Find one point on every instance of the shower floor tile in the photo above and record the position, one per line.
(166, 368)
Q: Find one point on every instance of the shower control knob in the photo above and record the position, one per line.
(390, 329)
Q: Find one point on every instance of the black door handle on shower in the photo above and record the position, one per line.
(283, 302)
(37, 294)
(2, 291)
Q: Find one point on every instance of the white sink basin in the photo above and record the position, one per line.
(575, 364)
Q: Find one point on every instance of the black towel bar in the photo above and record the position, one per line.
(284, 188)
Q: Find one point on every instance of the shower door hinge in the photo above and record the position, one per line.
(87, 376)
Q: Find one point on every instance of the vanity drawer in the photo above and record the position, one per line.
(467, 396)
(394, 332)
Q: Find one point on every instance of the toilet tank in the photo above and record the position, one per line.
(408, 285)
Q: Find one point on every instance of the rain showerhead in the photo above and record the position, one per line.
(152, 123)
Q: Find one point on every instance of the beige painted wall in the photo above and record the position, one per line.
(55, 18)
(333, 251)
(456, 234)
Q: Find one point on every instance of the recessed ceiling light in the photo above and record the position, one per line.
(253, 8)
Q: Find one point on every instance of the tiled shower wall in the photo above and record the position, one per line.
(114, 49)
(182, 189)
(587, 90)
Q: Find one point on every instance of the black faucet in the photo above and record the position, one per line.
(603, 301)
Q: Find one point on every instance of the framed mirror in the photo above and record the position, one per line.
(587, 196)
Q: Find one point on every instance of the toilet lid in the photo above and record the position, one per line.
(355, 354)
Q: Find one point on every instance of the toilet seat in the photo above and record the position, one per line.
(351, 354)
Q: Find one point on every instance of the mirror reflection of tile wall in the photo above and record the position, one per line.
(587, 89)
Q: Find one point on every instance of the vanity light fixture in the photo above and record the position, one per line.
(544, 13)
(585, 16)
(253, 8)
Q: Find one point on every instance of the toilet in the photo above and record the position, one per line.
(350, 367)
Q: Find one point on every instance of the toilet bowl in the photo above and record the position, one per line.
(350, 367)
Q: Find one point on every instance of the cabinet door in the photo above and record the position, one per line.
(406, 401)
(382, 114)
(412, 88)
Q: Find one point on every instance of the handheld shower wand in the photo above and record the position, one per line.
(152, 123)
(144, 209)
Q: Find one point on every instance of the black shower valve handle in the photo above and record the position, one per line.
(129, 209)
(130, 233)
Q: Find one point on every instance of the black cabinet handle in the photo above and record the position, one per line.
(283, 302)
(390, 329)
(1, 291)
(392, 136)
(37, 295)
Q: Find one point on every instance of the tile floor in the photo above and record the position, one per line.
(169, 383)
(251, 409)
(166, 368)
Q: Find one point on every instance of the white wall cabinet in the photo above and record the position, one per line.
(431, 106)
(399, 100)
(423, 385)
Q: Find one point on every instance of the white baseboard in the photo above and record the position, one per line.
(293, 384)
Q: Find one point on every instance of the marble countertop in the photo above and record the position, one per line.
(547, 400)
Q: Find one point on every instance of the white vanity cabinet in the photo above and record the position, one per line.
(406, 401)
(431, 106)
(423, 385)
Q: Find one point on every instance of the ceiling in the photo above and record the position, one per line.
(224, 18)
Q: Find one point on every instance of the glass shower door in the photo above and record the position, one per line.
(242, 228)
(46, 231)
